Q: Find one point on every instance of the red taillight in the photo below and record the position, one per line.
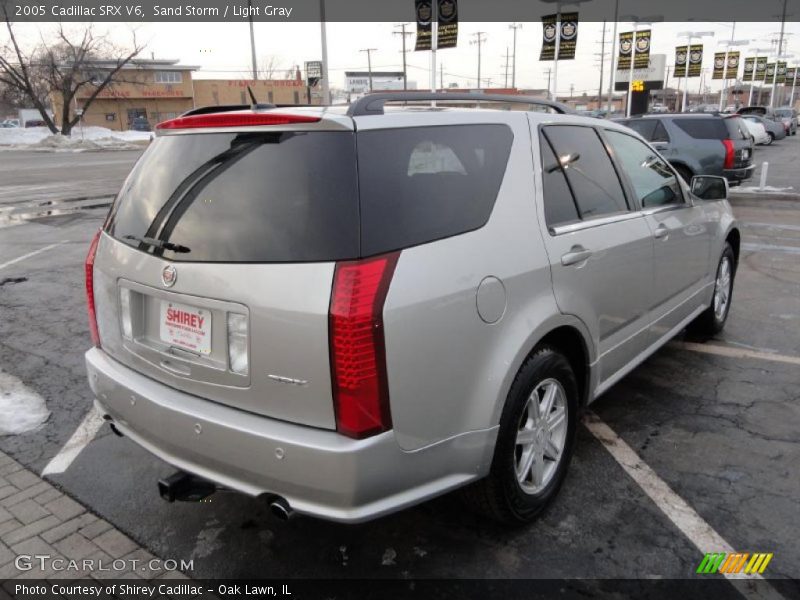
(235, 119)
(728, 154)
(89, 271)
(358, 353)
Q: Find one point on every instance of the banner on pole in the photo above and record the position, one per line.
(761, 69)
(780, 72)
(424, 12)
(749, 68)
(681, 54)
(549, 29)
(569, 36)
(695, 60)
(639, 48)
(769, 73)
(719, 65)
(447, 33)
(732, 68)
(791, 74)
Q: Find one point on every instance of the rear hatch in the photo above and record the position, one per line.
(742, 145)
(215, 268)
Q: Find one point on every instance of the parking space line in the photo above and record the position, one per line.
(683, 516)
(736, 352)
(31, 254)
(82, 437)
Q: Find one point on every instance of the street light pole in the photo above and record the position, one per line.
(636, 22)
(613, 57)
(252, 40)
(323, 34)
(690, 35)
(729, 45)
(780, 51)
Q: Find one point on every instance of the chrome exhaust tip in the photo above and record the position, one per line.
(280, 509)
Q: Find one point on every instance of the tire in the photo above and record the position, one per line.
(685, 173)
(771, 138)
(503, 496)
(712, 320)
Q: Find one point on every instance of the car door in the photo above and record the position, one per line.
(680, 229)
(599, 246)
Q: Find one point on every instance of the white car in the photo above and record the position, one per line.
(757, 130)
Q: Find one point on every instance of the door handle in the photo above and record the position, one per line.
(576, 255)
(661, 233)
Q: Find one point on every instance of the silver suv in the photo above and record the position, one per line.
(349, 311)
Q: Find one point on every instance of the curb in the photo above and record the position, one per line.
(760, 197)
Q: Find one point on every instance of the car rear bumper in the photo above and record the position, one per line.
(736, 175)
(318, 472)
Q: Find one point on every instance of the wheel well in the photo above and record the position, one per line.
(734, 239)
(682, 166)
(570, 343)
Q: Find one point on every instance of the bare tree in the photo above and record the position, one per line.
(83, 62)
(269, 67)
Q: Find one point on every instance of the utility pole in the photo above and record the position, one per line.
(480, 38)
(403, 33)
(613, 57)
(369, 52)
(506, 65)
(571, 90)
(514, 26)
(252, 40)
(326, 88)
(602, 64)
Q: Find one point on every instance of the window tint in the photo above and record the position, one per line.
(559, 206)
(660, 134)
(736, 129)
(426, 183)
(590, 173)
(654, 181)
(704, 129)
(644, 127)
(244, 197)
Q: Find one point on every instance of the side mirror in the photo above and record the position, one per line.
(710, 187)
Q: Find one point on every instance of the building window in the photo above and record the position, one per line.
(168, 77)
(111, 117)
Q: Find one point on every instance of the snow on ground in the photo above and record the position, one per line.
(21, 409)
(92, 138)
(754, 189)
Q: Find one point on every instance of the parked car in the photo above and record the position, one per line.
(788, 116)
(140, 124)
(761, 111)
(758, 132)
(398, 305)
(775, 129)
(700, 144)
(10, 123)
(658, 108)
(35, 123)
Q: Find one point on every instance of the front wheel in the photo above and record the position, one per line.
(770, 140)
(534, 442)
(712, 320)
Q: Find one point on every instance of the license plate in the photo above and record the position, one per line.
(186, 327)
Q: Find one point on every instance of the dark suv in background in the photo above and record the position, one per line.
(699, 143)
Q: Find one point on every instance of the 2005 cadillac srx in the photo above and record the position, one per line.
(347, 311)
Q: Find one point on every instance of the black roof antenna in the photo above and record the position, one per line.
(255, 104)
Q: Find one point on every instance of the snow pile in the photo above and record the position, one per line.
(21, 409)
(92, 138)
(754, 189)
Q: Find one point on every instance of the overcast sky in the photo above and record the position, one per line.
(222, 50)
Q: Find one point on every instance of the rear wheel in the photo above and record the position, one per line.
(771, 139)
(712, 320)
(534, 443)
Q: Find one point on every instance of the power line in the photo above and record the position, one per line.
(480, 39)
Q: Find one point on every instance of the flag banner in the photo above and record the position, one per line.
(719, 65)
(769, 73)
(569, 36)
(732, 68)
(681, 54)
(548, 38)
(761, 69)
(780, 72)
(791, 73)
(749, 68)
(447, 34)
(695, 60)
(424, 11)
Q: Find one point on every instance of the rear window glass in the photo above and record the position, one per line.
(704, 129)
(736, 129)
(243, 197)
(426, 183)
(652, 130)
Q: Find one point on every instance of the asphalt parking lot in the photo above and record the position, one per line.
(717, 420)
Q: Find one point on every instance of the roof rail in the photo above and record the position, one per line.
(205, 110)
(372, 104)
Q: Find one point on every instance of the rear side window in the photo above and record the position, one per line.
(244, 197)
(426, 183)
(736, 129)
(704, 129)
(588, 168)
(559, 205)
(652, 130)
